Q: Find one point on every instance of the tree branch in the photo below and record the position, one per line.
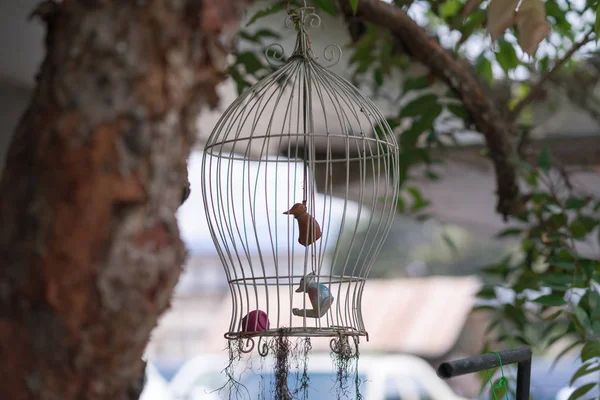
(487, 115)
(534, 92)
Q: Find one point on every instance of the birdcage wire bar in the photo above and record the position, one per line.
(276, 129)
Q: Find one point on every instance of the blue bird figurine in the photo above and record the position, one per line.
(319, 295)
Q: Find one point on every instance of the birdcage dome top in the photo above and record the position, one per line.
(301, 98)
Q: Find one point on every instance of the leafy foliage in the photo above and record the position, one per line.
(547, 290)
(554, 287)
(249, 66)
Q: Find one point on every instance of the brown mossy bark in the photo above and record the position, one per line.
(89, 245)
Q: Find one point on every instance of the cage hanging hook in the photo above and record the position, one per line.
(299, 14)
(293, 10)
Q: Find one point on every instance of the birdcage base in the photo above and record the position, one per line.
(339, 343)
(332, 331)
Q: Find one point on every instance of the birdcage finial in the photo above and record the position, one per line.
(299, 18)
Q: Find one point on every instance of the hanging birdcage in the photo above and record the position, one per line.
(299, 159)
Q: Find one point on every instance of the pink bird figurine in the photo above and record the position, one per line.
(309, 228)
(255, 321)
(319, 295)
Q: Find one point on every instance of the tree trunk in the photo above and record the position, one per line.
(89, 244)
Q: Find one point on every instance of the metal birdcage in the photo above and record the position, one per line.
(298, 165)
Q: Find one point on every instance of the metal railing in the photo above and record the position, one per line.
(521, 356)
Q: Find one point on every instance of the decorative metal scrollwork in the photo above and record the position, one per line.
(248, 347)
(341, 345)
(303, 16)
(311, 19)
(332, 54)
(275, 52)
(263, 348)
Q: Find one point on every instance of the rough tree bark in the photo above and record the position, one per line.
(490, 117)
(89, 245)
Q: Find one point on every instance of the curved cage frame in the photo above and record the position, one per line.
(279, 128)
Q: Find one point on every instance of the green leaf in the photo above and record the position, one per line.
(590, 350)
(583, 370)
(551, 300)
(267, 33)
(583, 318)
(240, 82)
(590, 223)
(527, 280)
(432, 175)
(553, 316)
(487, 292)
(583, 225)
(450, 243)
(597, 23)
(378, 76)
(404, 162)
(410, 136)
(575, 203)
(419, 106)
(516, 315)
(458, 110)
(483, 66)
(507, 56)
(415, 84)
(543, 64)
(558, 220)
(248, 37)
(400, 204)
(363, 51)
(509, 232)
(576, 324)
(259, 35)
(418, 201)
(565, 351)
(581, 391)
(275, 8)
(326, 5)
(578, 229)
(251, 63)
(450, 8)
(545, 159)
(354, 5)
(568, 265)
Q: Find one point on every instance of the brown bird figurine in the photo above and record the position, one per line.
(309, 228)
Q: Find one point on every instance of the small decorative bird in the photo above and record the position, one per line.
(309, 228)
(319, 295)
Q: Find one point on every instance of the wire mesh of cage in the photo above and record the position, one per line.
(300, 143)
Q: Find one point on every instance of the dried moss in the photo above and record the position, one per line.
(300, 355)
(281, 351)
(345, 361)
(235, 389)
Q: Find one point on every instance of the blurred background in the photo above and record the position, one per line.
(430, 268)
